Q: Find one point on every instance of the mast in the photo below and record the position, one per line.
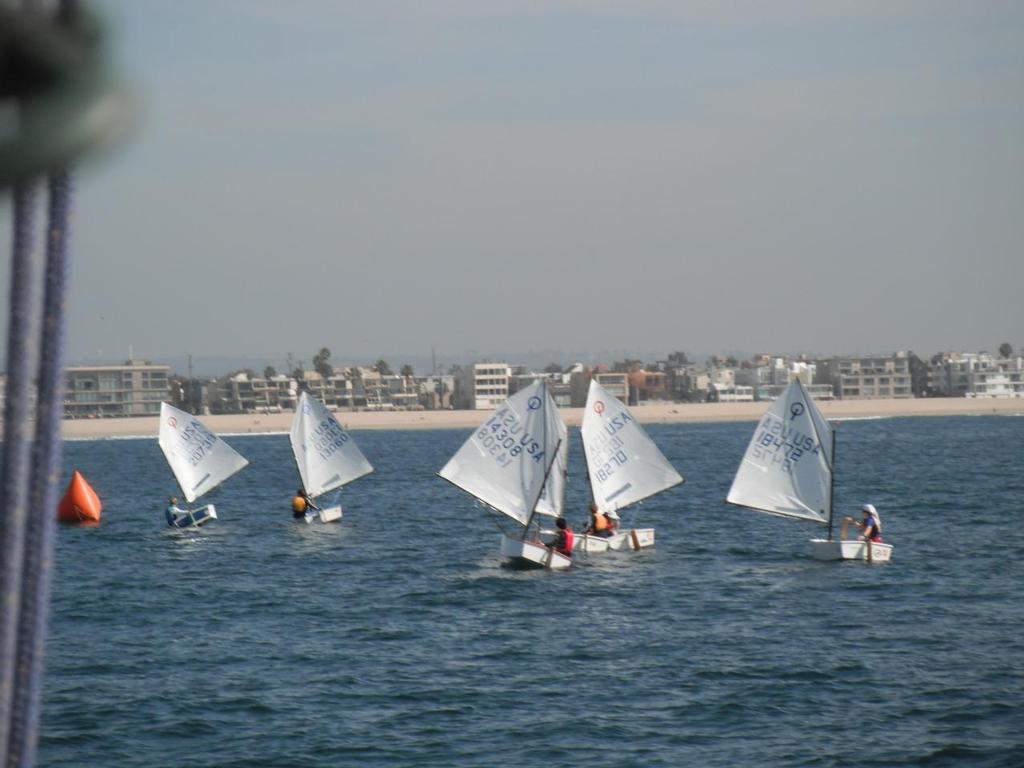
(832, 485)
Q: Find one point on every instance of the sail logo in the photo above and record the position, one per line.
(796, 409)
(599, 407)
(533, 403)
(172, 422)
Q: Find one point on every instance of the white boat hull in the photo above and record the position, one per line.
(533, 553)
(623, 541)
(634, 538)
(193, 518)
(328, 515)
(822, 549)
(591, 545)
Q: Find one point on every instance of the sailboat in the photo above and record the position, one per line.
(624, 465)
(788, 470)
(199, 460)
(326, 455)
(515, 463)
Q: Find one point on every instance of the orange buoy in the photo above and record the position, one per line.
(80, 504)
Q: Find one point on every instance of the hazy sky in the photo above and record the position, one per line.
(383, 178)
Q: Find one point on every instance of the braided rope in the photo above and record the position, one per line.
(40, 532)
(15, 467)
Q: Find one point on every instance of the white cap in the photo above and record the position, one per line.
(612, 514)
(870, 509)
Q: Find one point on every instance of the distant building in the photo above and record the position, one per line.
(482, 386)
(243, 392)
(436, 392)
(615, 382)
(648, 385)
(864, 378)
(968, 374)
(737, 393)
(133, 389)
(559, 384)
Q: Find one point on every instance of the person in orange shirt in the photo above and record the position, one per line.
(599, 525)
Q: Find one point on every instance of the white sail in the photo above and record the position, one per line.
(505, 460)
(624, 464)
(552, 498)
(198, 458)
(326, 455)
(787, 469)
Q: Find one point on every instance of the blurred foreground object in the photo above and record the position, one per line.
(57, 99)
(56, 104)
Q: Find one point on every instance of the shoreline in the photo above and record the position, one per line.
(652, 413)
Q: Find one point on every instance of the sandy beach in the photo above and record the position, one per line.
(655, 413)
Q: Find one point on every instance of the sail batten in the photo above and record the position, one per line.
(787, 468)
(505, 461)
(197, 457)
(624, 464)
(326, 455)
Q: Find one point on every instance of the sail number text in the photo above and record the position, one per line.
(780, 445)
(605, 451)
(197, 441)
(503, 437)
(328, 438)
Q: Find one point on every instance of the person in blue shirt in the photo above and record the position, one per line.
(870, 524)
(172, 512)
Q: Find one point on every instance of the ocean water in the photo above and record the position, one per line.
(398, 638)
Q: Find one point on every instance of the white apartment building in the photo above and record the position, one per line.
(133, 389)
(483, 386)
(863, 378)
(1003, 377)
(970, 374)
(737, 393)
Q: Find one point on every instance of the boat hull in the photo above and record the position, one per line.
(822, 549)
(194, 518)
(326, 515)
(634, 538)
(591, 545)
(533, 554)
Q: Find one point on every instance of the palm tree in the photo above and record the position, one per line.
(321, 363)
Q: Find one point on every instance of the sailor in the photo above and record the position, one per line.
(599, 524)
(172, 512)
(871, 524)
(301, 504)
(613, 521)
(563, 539)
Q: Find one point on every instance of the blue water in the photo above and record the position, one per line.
(398, 639)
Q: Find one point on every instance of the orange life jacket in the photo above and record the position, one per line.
(298, 504)
(600, 522)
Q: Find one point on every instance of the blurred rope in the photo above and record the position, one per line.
(14, 472)
(39, 533)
